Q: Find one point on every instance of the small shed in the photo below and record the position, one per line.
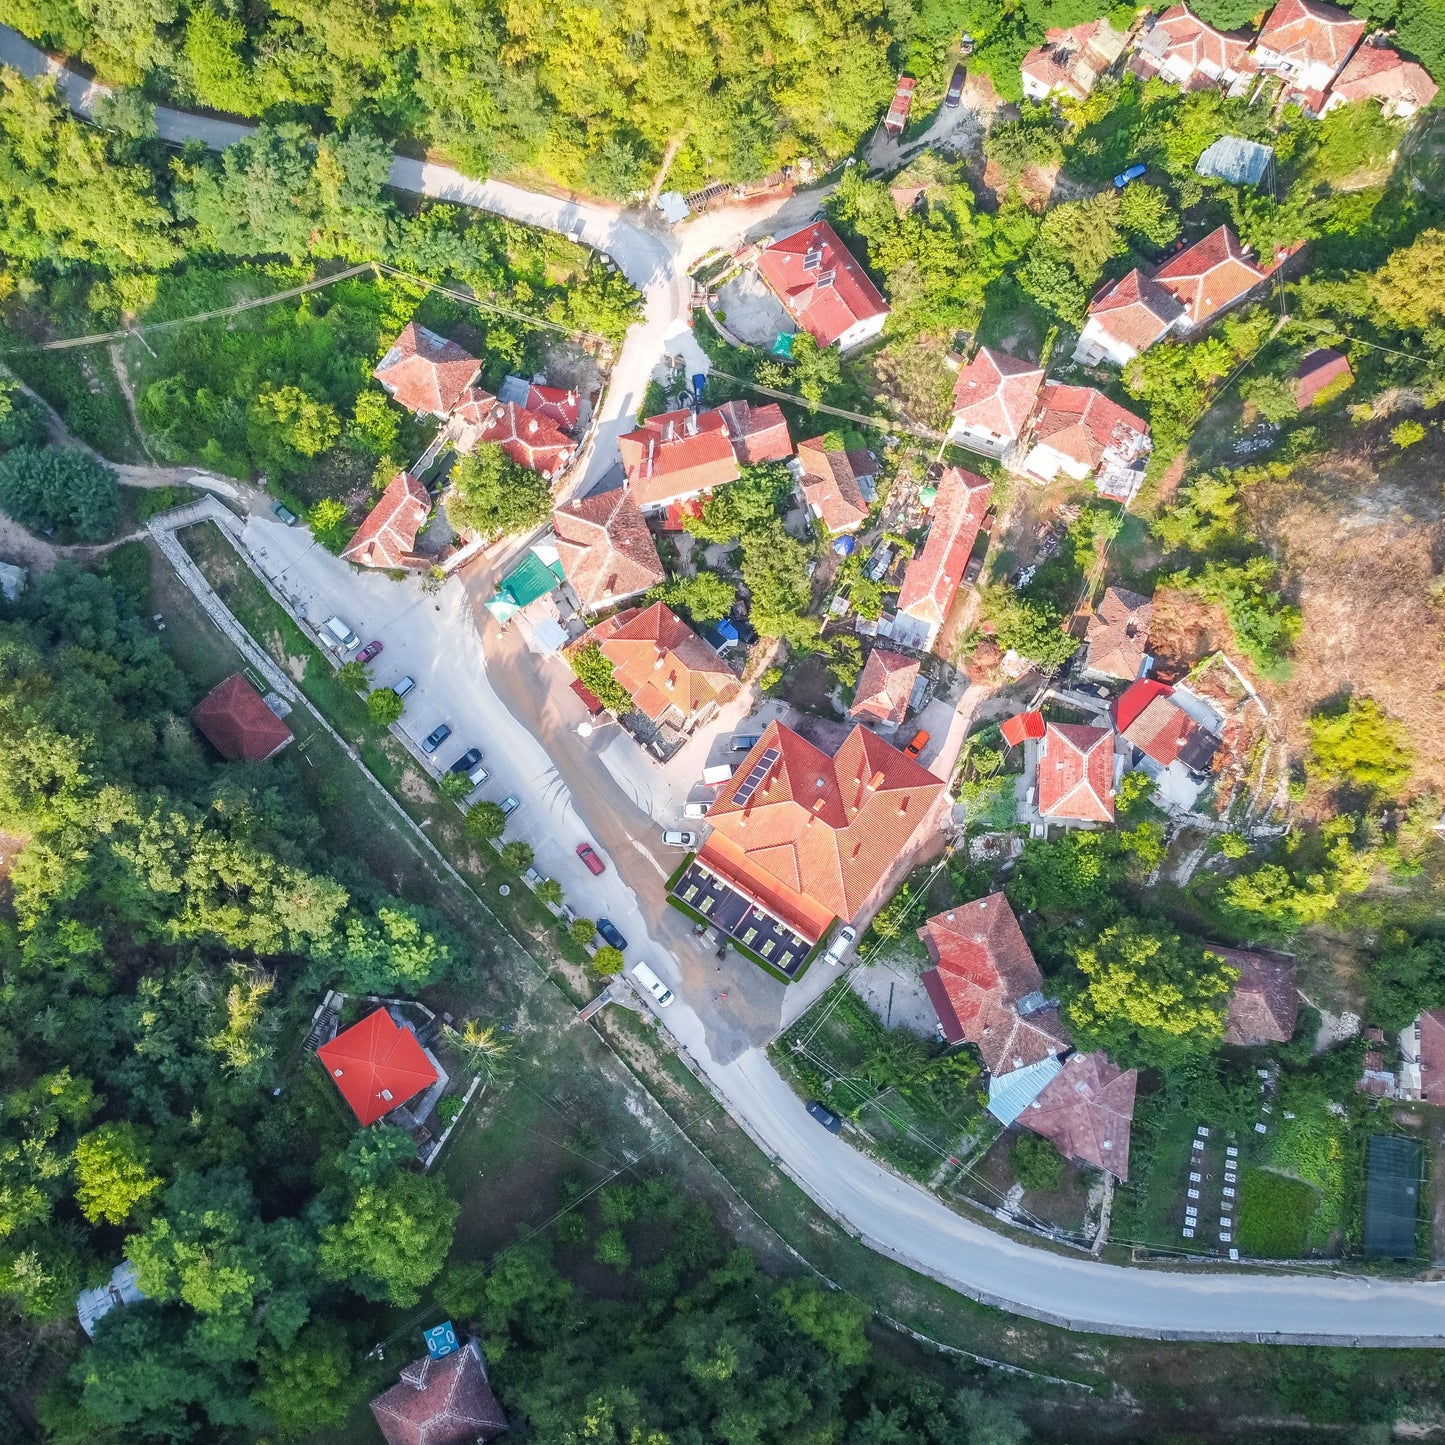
(239, 723)
(378, 1065)
(1236, 160)
(92, 1305)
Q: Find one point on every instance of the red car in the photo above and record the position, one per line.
(590, 858)
(918, 743)
(372, 649)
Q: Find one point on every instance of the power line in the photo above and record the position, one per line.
(878, 423)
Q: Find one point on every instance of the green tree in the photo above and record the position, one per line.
(1146, 999)
(549, 890)
(582, 931)
(1034, 630)
(612, 1249)
(830, 1318)
(393, 1240)
(288, 424)
(494, 497)
(751, 505)
(607, 960)
(384, 706)
(703, 598)
(593, 668)
(112, 1173)
(1036, 1164)
(486, 820)
(57, 487)
(1145, 212)
(1408, 291)
(517, 855)
(309, 1386)
(1273, 396)
(352, 675)
(1361, 746)
(399, 947)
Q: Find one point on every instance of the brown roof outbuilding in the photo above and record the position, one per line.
(441, 1402)
(238, 724)
(1087, 1111)
(1264, 1006)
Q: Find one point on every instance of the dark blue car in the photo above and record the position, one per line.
(608, 930)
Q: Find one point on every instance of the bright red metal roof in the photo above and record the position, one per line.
(377, 1065)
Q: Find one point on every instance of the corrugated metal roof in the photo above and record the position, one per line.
(1234, 159)
(1010, 1094)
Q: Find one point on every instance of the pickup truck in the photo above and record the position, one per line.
(897, 116)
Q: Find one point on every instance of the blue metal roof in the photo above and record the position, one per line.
(1010, 1094)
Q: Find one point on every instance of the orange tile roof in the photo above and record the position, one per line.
(1118, 634)
(818, 834)
(1134, 310)
(1310, 32)
(1161, 728)
(1076, 773)
(997, 392)
(1210, 275)
(606, 548)
(238, 724)
(1432, 1056)
(884, 687)
(388, 535)
(532, 441)
(1264, 1006)
(1181, 34)
(1021, 727)
(758, 433)
(1087, 1111)
(1083, 423)
(556, 403)
(1377, 72)
(662, 662)
(830, 482)
(424, 372)
(441, 1402)
(826, 310)
(934, 575)
(677, 455)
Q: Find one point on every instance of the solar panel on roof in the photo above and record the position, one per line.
(813, 259)
(756, 774)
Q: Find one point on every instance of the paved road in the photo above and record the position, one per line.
(435, 640)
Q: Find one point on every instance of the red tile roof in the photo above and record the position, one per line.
(677, 455)
(555, 403)
(1432, 1056)
(662, 662)
(441, 1402)
(830, 482)
(1181, 34)
(818, 834)
(1087, 1111)
(826, 310)
(238, 724)
(1083, 423)
(1135, 310)
(606, 548)
(532, 441)
(934, 575)
(1021, 727)
(377, 1064)
(1264, 1006)
(884, 687)
(1318, 370)
(1076, 773)
(1158, 727)
(982, 968)
(1118, 634)
(1135, 699)
(424, 372)
(1379, 73)
(996, 392)
(388, 535)
(1310, 32)
(758, 433)
(1210, 275)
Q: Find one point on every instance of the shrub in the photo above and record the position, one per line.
(607, 961)
(59, 487)
(1036, 1164)
(517, 855)
(384, 706)
(582, 931)
(486, 820)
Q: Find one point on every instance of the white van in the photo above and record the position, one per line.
(718, 773)
(336, 634)
(652, 984)
(695, 810)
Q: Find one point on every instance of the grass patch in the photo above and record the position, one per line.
(81, 385)
(1275, 1212)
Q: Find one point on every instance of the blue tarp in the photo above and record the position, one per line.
(1236, 160)
(783, 346)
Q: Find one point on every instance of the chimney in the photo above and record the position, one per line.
(651, 454)
(532, 427)
(667, 431)
(692, 423)
(876, 781)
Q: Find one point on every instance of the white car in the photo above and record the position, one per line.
(652, 984)
(679, 838)
(847, 937)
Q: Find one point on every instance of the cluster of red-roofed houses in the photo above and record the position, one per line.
(987, 990)
(1313, 48)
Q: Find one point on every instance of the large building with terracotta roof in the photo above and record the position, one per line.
(1376, 72)
(235, 720)
(884, 687)
(560, 405)
(1117, 639)
(387, 538)
(1070, 62)
(426, 373)
(1152, 722)
(530, 439)
(1307, 42)
(993, 399)
(1264, 1006)
(1185, 293)
(1075, 778)
(606, 549)
(1087, 1112)
(986, 988)
(1079, 431)
(378, 1065)
(676, 456)
(1181, 48)
(1430, 1054)
(446, 1401)
(758, 433)
(814, 838)
(935, 573)
(674, 677)
(822, 287)
(837, 483)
